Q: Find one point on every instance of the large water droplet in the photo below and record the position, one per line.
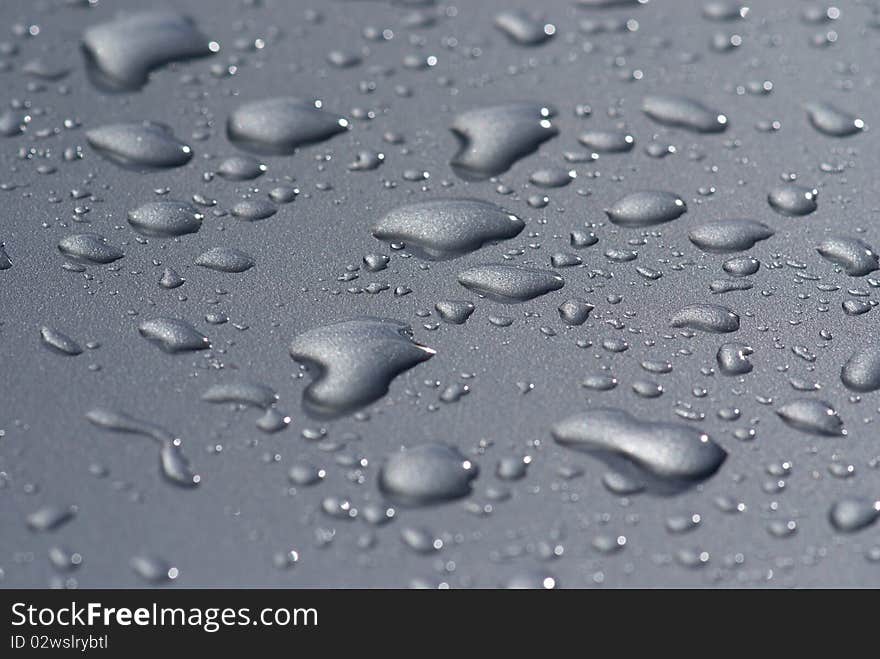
(59, 342)
(225, 259)
(832, 121)
(646, 208)
(165, 219)
(444, 228)
(243, 393)
(494, 138)
(812, 416)
(729, 235)
(142, 146)
(861, 372)
(683, 112)
(669, 452)
(173, 335)
(856, 257)
(89, 248)
(706, 318)
(427, 474)
(853, 514)
(281, 125)
(510, 283)
(454, 311)
(607, 141)
(792, 199)
(524, 29)
(121, 53)
(733, 358)
(354, 362)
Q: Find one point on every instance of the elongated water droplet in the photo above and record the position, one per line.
(607, 141)
(444, 228)
(225, 259)
(240, 168)
(646, 208)
(51, 517)
(153, 569)
(253, 210)
(832, 121)
(279, 126)
(89, 248)
(683, 112)
(523, 28)
(510, 283)
(173, 335)
(856, 257)
(175, 466)
(667, 451)
(141, 146)
(59, 342)
(812, 416)
(729, 235)
(243, 393)
(165, 219)
(706, 318)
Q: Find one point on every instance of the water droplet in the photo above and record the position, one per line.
(853, 514)
(861, 372)
(175, 466)
(253, 210)
(173, 335)
(706, 318)
(575, 312)
(509, 283)
(243, 393)
(121, 53)
(153, 569)
(355, 362)
(729, 235)
(427, 474)
(494, 138)
(444, 228)
(140, 146)
(667, 451)
(59, 342)
(607, 141)
(454, 311)
(812, 416)
(743, 266)
(792, 199)
(683, 112)
(225, 259)
(89, 248)
(646, 208)
(856, 257)
(832, 121)
(51, 517)
(523, 28)
(733, 358)
(240, 168)
(165, 219)
(279, 126)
